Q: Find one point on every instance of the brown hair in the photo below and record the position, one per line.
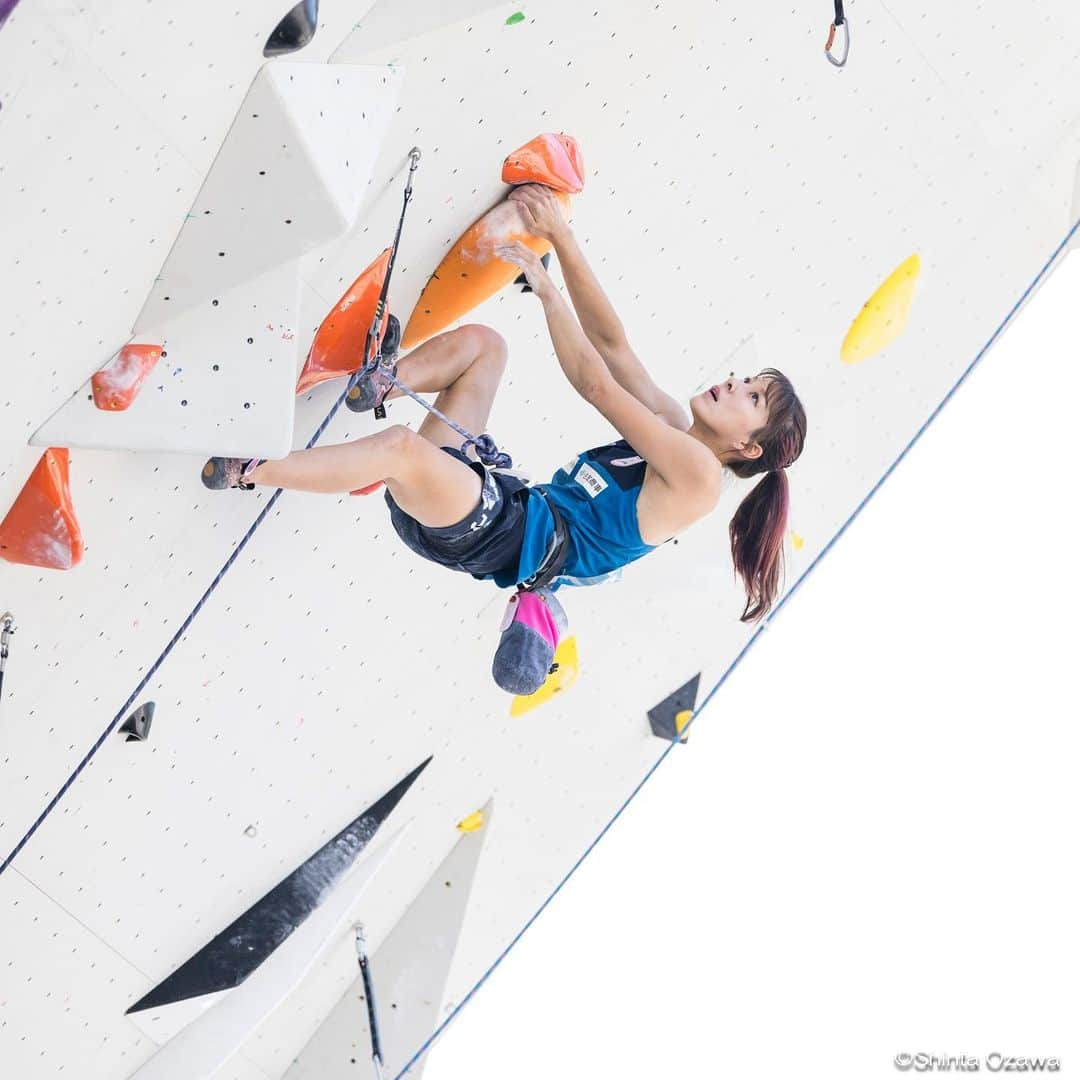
(758, 527)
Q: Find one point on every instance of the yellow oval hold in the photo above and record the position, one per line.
(797, 541)
(472, 823)
(884, 316)
(564, 676)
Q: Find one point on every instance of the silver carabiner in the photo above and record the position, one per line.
(7, 628)
(843, 24)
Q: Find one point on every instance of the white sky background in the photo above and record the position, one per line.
(869, 844)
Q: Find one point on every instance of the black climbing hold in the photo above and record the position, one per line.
(294, 31)
(523, 281)
(662, 716)
(244, 944)
(137, 725)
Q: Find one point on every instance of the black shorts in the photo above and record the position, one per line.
(485, 541)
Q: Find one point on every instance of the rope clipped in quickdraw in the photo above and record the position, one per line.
(839, 22)
(371, 347)
(486, 449)
(371, 351)
(7, 628)
(369, 998)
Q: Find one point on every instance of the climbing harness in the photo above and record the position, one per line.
(486, 450)
(369, 999)
(557, 551)
(839, 22)
(7, 628)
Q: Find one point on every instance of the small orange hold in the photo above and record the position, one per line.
(367, 490)
(118, 383)
(341, 340)
(551, 159)
(40, 529)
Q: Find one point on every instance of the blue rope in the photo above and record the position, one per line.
(742, 652)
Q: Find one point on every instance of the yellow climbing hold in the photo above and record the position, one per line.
(562, 678)
(797, 541)
(682, 721)
(473, 823)
(884, 315)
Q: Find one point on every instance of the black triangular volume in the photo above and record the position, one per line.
(662, 716)
(245, 943)
(294, 31)
(137, 725)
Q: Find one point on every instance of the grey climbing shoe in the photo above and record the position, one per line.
(371, 389)
(220, 473)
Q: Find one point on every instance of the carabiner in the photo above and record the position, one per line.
(838, 22)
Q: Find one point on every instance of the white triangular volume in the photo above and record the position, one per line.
(409, 973)
(204, 1047)
(290, 177)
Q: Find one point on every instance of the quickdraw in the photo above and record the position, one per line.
(7, 628)
(369, 998)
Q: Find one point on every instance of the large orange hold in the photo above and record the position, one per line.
(338, 348)
(471, 272)
(40, 528)
(554, 160)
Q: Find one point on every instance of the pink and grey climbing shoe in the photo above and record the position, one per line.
(220, 473)
(532, 627)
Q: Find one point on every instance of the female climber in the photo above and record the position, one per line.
(614, 503)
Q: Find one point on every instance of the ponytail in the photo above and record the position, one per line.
(759, 526)
(757, 543)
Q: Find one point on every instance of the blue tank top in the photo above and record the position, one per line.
(597, 495)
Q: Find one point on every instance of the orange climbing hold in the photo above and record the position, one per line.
(367, 489)
(40, 528)
(338, 348)
(554, 160)
(471, 272)
(116, 385)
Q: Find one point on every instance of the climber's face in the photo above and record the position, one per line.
(733, 410)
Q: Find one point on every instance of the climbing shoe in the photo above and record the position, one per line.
(372, 388)
(220, 473)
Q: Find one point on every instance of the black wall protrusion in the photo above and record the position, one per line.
(137, 725)
(662, 716)
(294, 31)
(245, 943)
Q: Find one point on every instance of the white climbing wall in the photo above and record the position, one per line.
(739, 189)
